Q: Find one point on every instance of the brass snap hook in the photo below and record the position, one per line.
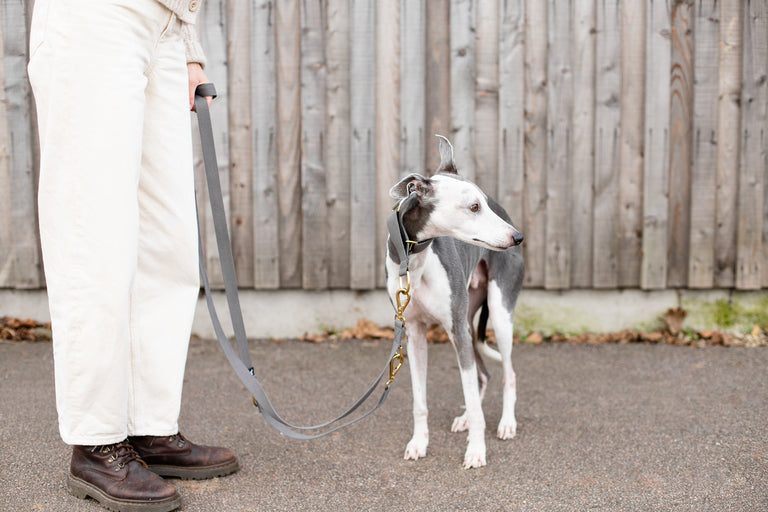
(394, 369)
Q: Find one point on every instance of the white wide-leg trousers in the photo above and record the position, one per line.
(117, 212)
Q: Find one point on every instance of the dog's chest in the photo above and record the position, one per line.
(430, 292)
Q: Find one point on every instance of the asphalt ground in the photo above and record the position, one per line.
(601, 427)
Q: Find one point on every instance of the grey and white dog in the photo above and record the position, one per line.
(469, 257)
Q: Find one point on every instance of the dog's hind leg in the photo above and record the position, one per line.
(417, 363)
(503, 327)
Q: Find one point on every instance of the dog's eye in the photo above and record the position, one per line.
(474, 207)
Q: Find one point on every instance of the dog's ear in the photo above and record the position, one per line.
(411, 183)
(447, 164)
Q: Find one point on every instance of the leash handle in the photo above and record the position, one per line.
(241, 361)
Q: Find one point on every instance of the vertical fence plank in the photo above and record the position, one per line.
(754, 102)
(653, 272)
(240, 138)
(701, 254)
(534, 205)
(314, 210)
(511, 114)
(728, 135)
(337, 141)
(412, 84)
(463, 72)
(680, 124)
(362, 147)
(213, 35)
(26, 269)
(583, 140)
(288, 54)
(438, 78)
(387, 130)
(7, 246)
(486, 104)
(557, 273)
(631, 156)
(266, 242)
(605, 271)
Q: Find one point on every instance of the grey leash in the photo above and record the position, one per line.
(241, 360)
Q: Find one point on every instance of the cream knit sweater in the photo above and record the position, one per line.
(186, 11)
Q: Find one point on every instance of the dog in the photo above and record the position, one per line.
(468, 257)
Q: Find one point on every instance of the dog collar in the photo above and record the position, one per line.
(417, 247)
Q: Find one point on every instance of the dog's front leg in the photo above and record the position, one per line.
(473, 419)
(474, 457)
(417, 363)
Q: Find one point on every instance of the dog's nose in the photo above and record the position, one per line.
(517, 237)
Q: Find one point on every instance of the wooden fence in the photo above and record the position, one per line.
(627, 139)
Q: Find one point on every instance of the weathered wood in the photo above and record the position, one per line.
(387, 131)
(438, 79)
(213, 35)
(486, 105)
(240, 138)
(266, 229)
(559, 168)
(651, 164)
(511, 115)
(605, 254)
(362, 146)
(288, 67)
(583, 141)
(7, 246)
(26, 267)
(653, 271)
(337, 141)
(728, 136)
(463, 72)
(535, 197)
(754, 161)
(680, 141)
(701, 259)
(631, 155)
(412, 85)
(314, 210)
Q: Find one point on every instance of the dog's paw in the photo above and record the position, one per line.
(460, 423)
(416, 449)
(474, 457)
(507, 429)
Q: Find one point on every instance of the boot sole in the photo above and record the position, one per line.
(194, 473)
(82, 489)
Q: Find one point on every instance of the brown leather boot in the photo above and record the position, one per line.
(115, 476)
(176, 456)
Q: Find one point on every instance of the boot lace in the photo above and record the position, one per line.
(122, 453)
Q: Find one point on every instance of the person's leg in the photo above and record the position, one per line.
(167, 280)
(87, 73)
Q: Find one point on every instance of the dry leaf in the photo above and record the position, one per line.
(534, 337)
(674, 318)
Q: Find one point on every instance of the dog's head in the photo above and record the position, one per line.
(449, 205)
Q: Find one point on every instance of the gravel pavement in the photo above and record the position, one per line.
(601, 427)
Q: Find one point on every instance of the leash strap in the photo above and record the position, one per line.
(241, 360)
